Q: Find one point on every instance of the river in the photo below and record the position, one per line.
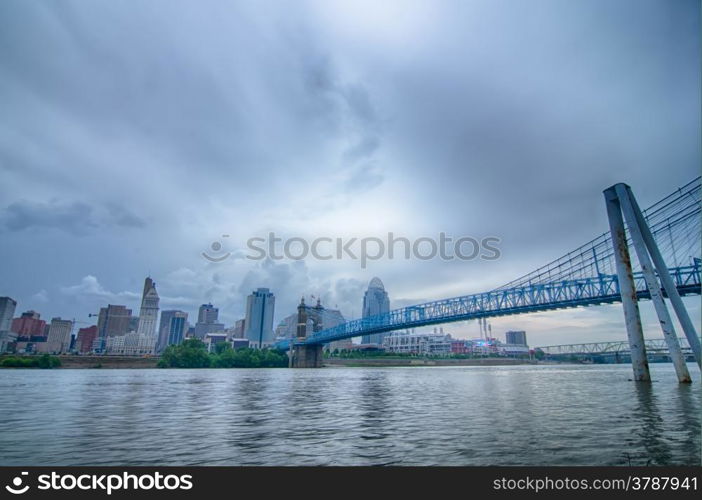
(501, 415)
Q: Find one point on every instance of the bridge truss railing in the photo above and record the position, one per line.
(530, 298)
(612, 347)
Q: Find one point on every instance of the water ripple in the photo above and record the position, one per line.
(515, 415)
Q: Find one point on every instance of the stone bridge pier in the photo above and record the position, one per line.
(307, 355)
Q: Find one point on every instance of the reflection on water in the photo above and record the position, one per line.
(516, 415)
(651, 435)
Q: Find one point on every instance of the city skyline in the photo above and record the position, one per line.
(375, 129)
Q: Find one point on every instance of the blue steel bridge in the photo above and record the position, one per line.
(586, 276)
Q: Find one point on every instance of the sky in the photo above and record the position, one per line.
(135, 135)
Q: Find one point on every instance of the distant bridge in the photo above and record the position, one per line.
(658, 346)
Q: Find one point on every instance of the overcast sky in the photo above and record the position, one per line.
(133, 135)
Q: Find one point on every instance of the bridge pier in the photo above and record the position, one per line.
(627, 287)
(668, 284)
(307, 356)
(637, 230)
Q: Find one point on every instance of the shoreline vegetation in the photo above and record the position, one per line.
(44, 361)
(192, 353)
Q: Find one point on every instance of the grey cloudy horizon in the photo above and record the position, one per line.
(132, 136)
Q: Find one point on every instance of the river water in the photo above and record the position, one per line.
(506, 415)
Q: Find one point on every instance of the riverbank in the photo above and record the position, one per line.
(379, 361)
(107, 362)
(69, 361)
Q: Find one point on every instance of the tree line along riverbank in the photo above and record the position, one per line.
(192, 353)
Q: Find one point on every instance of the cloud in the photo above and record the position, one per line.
(89, 286)
(76, 218)
(363, 178)
(41, 296)
(132, 139)
(364, 148)
(120, 216)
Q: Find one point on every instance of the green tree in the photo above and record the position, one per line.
(46, 361)
(192, 353)
(221, 346)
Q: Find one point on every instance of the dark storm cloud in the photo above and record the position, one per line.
(150, 130)
(122, 217)
(363, 178)
(76, 218)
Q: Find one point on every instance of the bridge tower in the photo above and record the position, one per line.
(620, 199)
(305, 355)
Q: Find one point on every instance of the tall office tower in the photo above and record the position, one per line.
(7, 311)
(207, 321)
(260, 306)
(171, 329)
(113, 321)
(177, 328)
(375, 301)
(207, 314)
(59, 339)
(148, 314)
(517, 337)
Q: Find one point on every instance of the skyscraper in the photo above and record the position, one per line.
(260, 306)
(113, 320)
(207, 321)
(207, 314)
(171, 329)
(176, 328)
(7, 311)
(375, 301)
(148, 314)
(59, 339)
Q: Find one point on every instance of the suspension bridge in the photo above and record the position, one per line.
(587, 276)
